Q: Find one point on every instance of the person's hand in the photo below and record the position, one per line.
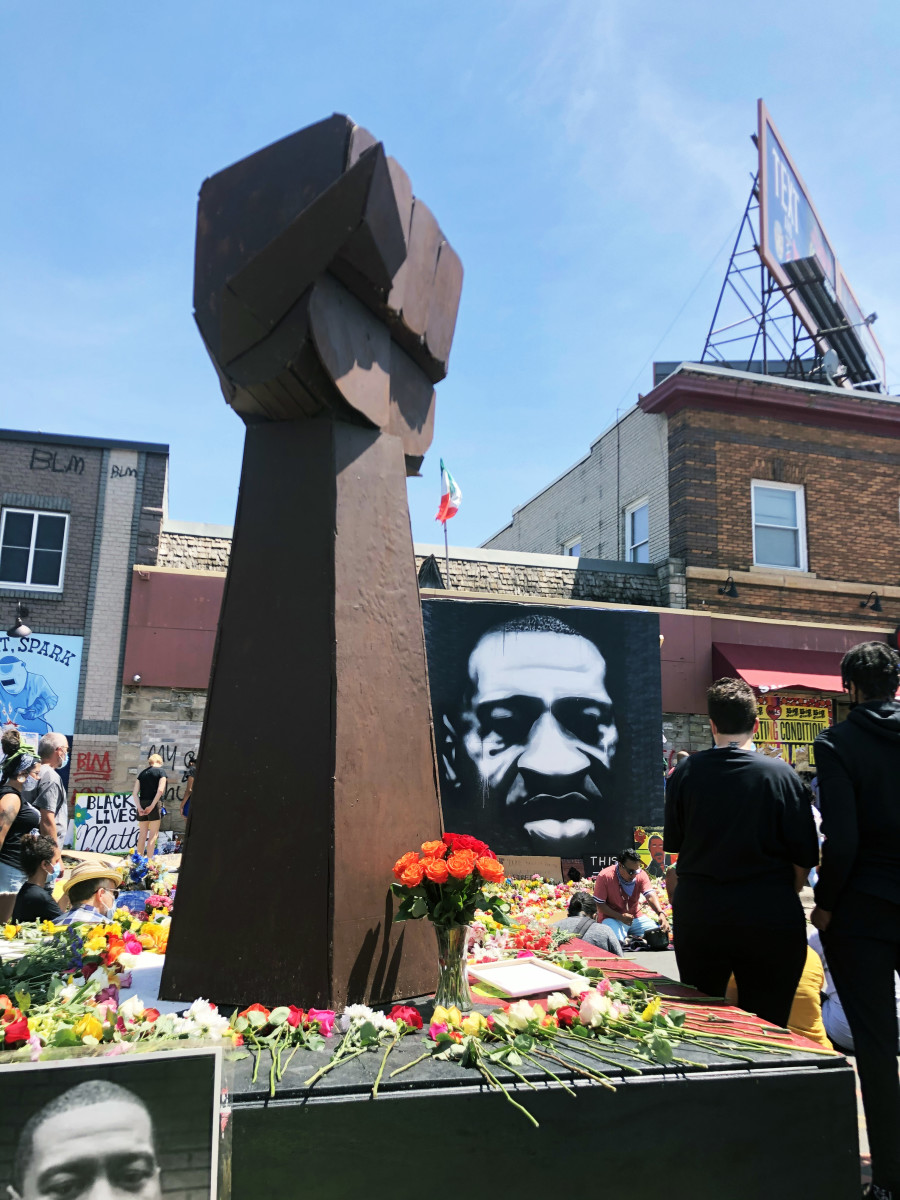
(821, 918)
(626, 918)
(663, 922)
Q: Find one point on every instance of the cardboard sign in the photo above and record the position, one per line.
(788, 726)
(648, 841)
(105, 822)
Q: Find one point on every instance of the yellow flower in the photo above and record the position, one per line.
(88, 1027)
(651, 1010)
(95, 945)
(10, 931)
(474, 1024)
(49, 928)
(450, 1016)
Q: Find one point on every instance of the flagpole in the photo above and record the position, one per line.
(447, 554)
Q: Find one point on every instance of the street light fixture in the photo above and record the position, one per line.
(18, 628)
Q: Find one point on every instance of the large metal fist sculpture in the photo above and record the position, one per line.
(326, 296)
(323, 284)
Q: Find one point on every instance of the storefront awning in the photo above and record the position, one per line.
(776, 668)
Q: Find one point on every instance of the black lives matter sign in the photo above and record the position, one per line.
(105, 821)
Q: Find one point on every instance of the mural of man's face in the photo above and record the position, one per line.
(13, 675)
(101, 1149)
(538, 736)
(655, 846)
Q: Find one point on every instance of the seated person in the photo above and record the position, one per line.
(92, 889)
(582, 923)
(619, 890)
(806, 1010)
(833, 1017)
(42, 863)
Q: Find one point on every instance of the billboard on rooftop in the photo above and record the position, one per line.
(790, 229)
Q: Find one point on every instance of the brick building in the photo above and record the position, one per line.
(789, 488)
(76, 514)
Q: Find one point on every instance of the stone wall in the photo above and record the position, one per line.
(686, 731)
(190, 551)
(554, 576)
(165, 721)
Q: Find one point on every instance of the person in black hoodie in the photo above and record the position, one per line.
(858, 893)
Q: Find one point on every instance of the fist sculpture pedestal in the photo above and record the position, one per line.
(326, 296)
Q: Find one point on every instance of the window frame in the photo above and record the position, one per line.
(799, 491)
(37, 513)
(629, 512)
(569, 545)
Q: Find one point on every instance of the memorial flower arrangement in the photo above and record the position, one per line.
(446, 883)
(281, 1029)
(606, 1024)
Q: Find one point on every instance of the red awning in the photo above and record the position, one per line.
(776, 668)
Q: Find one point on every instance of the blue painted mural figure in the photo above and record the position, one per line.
(25, 697)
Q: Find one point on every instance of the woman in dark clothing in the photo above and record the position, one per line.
(42, 863)
(17, 816)
(149, 789)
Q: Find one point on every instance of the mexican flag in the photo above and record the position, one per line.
(450, 496)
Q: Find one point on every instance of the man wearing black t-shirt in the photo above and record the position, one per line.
(858, 893)
(744, 831)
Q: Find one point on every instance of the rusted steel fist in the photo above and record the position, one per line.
(323, 287)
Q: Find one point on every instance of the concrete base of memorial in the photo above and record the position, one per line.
(781, 1127)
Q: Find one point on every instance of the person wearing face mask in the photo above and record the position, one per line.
(49, 796)
(92, 889)
(17, 815)
(42, 862)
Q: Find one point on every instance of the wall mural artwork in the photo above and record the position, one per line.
(547, 724)
(39, 683)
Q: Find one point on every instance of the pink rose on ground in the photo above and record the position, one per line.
(132, 945)
(525, 954)
(436, 1028)
(325, 1018)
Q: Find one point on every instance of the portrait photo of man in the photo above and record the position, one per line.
(546, 723)
(88, 1132)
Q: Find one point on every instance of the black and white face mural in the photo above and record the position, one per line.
(547, 722)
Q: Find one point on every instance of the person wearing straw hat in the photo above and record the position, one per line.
(92, 889)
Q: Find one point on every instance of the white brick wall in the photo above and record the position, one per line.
(626, 463)
(113, 571)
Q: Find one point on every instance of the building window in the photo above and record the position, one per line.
(33, 549)
(573, 548)
(637, 532)
(779, 525)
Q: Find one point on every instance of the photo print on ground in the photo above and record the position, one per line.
(137, 1125)
(547, 724)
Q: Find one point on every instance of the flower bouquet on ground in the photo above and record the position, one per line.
(446, 884)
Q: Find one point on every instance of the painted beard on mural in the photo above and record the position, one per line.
(532, 745)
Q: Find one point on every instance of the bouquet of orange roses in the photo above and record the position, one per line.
(446, 882)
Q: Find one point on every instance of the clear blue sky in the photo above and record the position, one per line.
(587, 159)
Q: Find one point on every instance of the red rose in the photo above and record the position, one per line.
(464, 841)
(151, 1014)
(17, 1030)
(255, 1008)
(436, 870)
(295, 1016)
(567, 1016)
(407, 1014)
